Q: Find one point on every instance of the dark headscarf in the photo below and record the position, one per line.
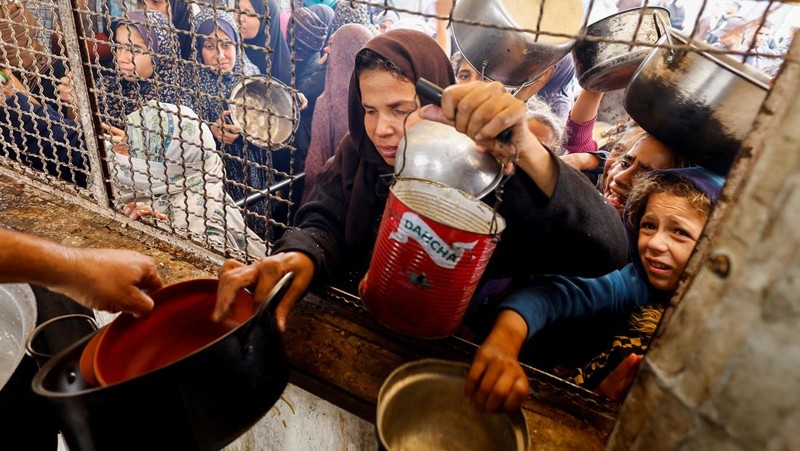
(281, 61)
(182, 20)
(310, 34)
(357, 160)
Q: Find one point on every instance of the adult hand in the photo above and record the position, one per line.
(483, 110)
(109, 279)
(117, 138)
(66, 89)
(615, 386)
(224, 132)
(303, 101)
(496, 380)
(137, 210)
(261, 277)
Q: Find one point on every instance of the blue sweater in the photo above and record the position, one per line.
(563, 297)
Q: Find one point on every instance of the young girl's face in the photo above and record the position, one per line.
(647, 154)
(387, 99)
(133, 59)
(247, 20)
(668, 232)
(219, 52)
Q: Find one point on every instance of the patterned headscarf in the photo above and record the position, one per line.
(120, 97)
(310, 33)
(347, 12)
(215, 88)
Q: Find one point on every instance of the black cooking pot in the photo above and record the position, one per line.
(202, 401)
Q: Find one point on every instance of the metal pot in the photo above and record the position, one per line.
(438, 152)
(266, 110)
(17, 320)
(422, 406)
(604, 66)
(511, 56)
(203, 401)
(700, 104)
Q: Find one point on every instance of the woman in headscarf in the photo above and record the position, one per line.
(329, 128)
(148, 67)
(261, 34)
(311, 35)
(140, 77)
(168, 168)
(221, 67)
(550, 209)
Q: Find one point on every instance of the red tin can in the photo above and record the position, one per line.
(433, 245)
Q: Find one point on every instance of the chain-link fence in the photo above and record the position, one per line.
(196, 118)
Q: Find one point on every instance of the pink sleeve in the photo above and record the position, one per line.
(579, 137)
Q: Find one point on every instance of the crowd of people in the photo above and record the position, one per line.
(594, 232)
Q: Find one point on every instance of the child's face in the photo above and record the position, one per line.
(647, 154)
(668, 233)
(219, 52)
(133, 59)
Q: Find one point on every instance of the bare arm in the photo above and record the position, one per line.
(496, 380)
(586, 106)
(443, 8)
(104, 279)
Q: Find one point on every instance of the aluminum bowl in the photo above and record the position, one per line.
(17, 320)
(422, 406)
(440, 153)
(266, 110)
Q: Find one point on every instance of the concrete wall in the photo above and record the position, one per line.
(725, 372)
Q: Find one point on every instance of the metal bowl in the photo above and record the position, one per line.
(605, 66)
(422, 406)
(699, 103)
(265, 109)
(489, 35)
(440, 153)
(17, 320)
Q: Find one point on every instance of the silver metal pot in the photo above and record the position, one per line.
(17, 320)
(266, 110)
(605, 66)
(514, 57)
(422, 406)
(700, 104)
(438, 152)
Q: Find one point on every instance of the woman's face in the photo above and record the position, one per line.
(133, 59)
(466, 73)
(647, 154)
(161, 6)
(248, 20)
(219, 52)
(668, 233)
(388, 99)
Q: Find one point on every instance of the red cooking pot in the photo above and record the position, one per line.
(167, 385)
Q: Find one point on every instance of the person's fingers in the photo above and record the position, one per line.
(434, 113)
(230, 282)
(474, 377)
(139, 304)
(488, 382)
(286, 304)
(520, 391)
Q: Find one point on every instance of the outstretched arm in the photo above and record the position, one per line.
(103, 279)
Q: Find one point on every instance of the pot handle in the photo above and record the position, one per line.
(29, 341)
(273, 297)
(660, 25)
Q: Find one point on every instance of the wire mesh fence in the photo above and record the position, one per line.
(198, 117)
